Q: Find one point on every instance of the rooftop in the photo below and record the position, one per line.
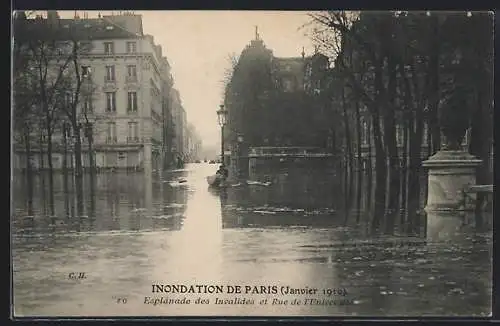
(105, 27)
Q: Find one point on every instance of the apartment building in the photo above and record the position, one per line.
(193, 147)
(179, 126)
(127, 74)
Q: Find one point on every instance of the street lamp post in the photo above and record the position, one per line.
(238, 163)
(222, 115)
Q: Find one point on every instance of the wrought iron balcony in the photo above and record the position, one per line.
(131, 79)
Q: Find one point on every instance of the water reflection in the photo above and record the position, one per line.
(140, 228)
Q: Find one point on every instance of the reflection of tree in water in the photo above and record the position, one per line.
(360, 211)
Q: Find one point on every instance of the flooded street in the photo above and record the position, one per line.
(174, 230)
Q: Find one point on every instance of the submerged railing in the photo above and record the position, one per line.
(288, 151)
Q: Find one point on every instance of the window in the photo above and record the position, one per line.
(85, 45)
(111, 135)
(87, 104)
(111, 101)
(68, 99)
(110, 73)
(364, 133)
(133, 131)
(131, 47)
(132, 102)
(132, 73)
(109, 48)
(85, 71)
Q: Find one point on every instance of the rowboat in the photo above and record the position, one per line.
(215, 182)
(212, 179)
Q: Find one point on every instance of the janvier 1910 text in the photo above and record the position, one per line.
(246, 289)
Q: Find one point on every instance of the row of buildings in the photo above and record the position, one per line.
(136, 114)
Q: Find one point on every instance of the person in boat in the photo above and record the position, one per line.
(221, 174)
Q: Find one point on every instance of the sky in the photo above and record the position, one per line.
(198, 45)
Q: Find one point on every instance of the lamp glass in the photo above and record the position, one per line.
(222, 115)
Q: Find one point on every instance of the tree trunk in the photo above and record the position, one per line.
(392, 151)
(360, 162)
(380, 173)
(41, 171)
(349, 158)
(346, 191)
(369, 174)
(414, 170)
(404, 172)
(78, 169)
(65, 171)
(92, 172)
(480, 146)
(51, 167)
(29, 168)
(380, 155)
(433, 121)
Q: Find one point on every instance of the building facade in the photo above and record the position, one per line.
(285, 115)
(194, 144)
(128, 100)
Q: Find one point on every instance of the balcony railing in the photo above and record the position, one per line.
(288, 151)
(109, 82)
(111, 140)
(131, 79)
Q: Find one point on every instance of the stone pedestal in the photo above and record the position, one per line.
(450, 172)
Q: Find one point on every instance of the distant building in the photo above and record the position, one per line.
(295, 106)
(286, 112)
(194, 144)
(178, 116)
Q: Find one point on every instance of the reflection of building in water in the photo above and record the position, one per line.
(121, 202)
(258, 206)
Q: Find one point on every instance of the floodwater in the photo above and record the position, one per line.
(138, 231)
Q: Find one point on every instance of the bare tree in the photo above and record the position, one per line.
(232, 60)
(48, 76)
(73, 86)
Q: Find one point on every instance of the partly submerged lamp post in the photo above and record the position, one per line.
(222, 115)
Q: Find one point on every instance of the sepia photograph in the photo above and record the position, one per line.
(224, 163)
